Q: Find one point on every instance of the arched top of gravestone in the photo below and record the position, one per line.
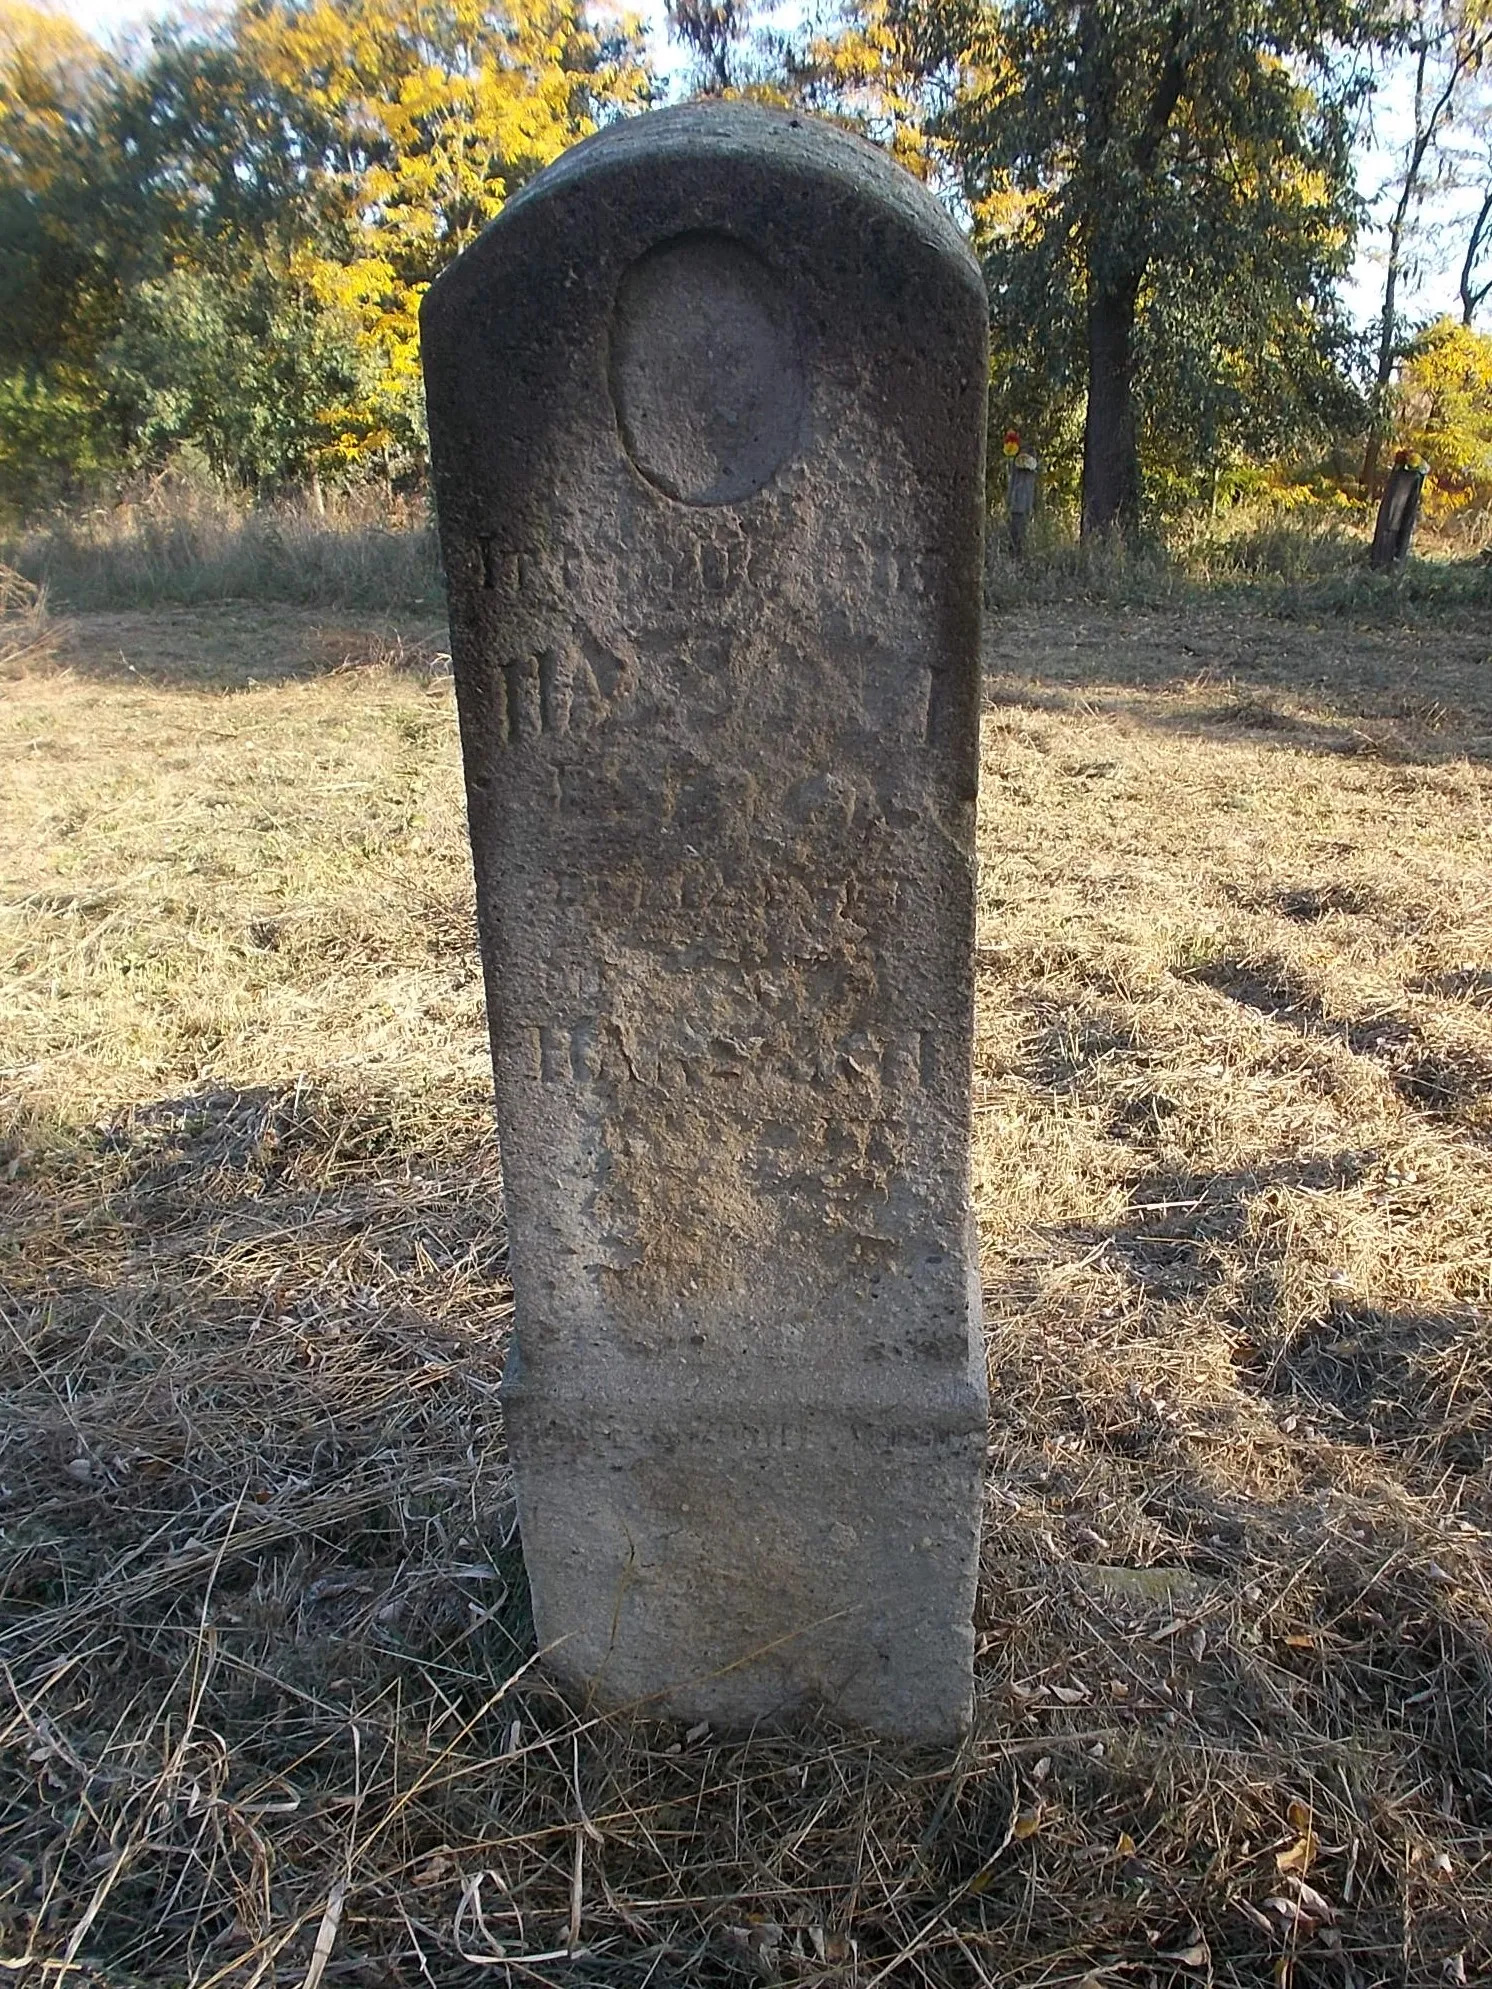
(795, 145)
(669, 144)
(712, 284)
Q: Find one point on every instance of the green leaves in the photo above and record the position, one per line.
(227, 239)
(1163, 199)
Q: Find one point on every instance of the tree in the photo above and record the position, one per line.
(1474, 290)
(713, 31)
(1142, 175)
(362, 145)
(1446, 42)
(1443, 410)
(64, 261)
(225, 241)
(54, 81)
(246, 364)
(733, 56)
(858, 65)
(1475, 285)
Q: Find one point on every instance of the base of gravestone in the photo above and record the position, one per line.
(753, 1565)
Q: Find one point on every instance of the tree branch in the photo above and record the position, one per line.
(1168, 88)
(1481, 234)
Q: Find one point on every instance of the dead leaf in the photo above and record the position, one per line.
(1027, 1824)
(1195, 1954)
(1300, 1855)
(761, 1942)
(1305, 1913)
(1172, 1629)
(1314, 1903)
(1261, 1920)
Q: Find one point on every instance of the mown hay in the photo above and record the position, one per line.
(25, 630)
(270, 1710)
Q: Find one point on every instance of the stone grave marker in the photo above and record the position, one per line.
(707, 417)
(1020, 501)
(1398, 514)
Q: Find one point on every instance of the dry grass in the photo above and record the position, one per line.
(189, 543)
(267, 1717)
(27, 637)
(181, 541)
(1307, 567)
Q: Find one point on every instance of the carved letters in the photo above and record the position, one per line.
(586, 1051)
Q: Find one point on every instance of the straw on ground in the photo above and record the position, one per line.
(269, 1714)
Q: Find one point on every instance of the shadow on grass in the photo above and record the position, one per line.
(1224, 670)
(228, 1313)
(1345, 1607)
(232, 646)
(265, 1623)
(1444, 1084)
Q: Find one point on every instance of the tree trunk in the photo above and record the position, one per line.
(1481, 235)
(1430, 115)
(1111, 451)
(1387, 350)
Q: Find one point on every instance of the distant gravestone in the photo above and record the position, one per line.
(1020, 502)
(1398, 514)
(706, 414)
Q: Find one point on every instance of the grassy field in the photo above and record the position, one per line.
(266, 1715)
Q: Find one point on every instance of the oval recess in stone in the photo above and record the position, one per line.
(706, 373)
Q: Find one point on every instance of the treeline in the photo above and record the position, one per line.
(213, 245)
(219, 244)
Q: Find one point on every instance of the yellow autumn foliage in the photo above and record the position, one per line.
(433, 115)
(49, 72)
(1445, 414)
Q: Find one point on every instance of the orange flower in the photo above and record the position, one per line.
(1012, 442)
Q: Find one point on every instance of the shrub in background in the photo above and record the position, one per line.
(183, 540)
(1445, 415)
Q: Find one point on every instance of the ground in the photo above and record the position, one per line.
(265, 1716)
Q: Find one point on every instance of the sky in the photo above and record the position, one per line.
(1432, 284)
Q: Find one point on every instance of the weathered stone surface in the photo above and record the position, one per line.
(707, 416)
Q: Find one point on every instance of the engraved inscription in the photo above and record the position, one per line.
(506, 571)
(761, 1434)
(566, 686)
(587, 1050)
(711, 559)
